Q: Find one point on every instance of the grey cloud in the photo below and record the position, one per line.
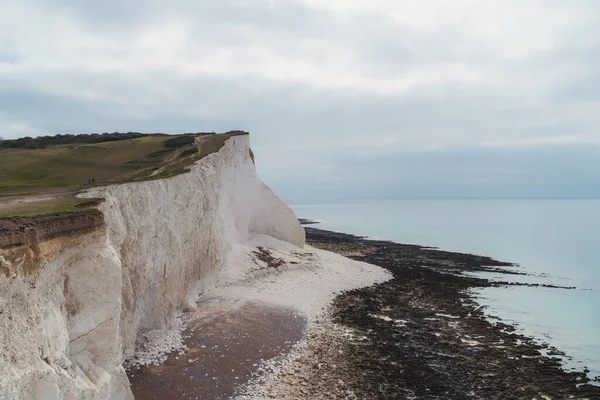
(545, 172)
(221, 19)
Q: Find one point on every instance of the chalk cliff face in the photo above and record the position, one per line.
(66, 327)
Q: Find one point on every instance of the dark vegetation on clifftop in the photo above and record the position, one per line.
(41, 142)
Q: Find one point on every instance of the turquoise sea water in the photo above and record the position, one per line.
(557, 241)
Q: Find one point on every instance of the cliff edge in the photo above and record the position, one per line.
(73, 302)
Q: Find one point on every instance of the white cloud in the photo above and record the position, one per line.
(487, 45)
(12, 128)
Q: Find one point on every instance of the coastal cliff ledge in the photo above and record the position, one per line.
(28, 231)
(77, 289)
(25, 243)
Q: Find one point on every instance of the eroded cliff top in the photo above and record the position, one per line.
(32, 230)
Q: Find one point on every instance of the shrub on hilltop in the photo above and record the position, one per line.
(42, 142)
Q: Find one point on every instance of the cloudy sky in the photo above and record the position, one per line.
(344, 98)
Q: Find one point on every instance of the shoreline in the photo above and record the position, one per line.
(417, 334)
(427, 337)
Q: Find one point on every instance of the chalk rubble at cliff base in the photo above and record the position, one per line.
(316, 278)
(153, 346)
(305, 280)
(308, 280)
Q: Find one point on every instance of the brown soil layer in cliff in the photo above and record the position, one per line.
(28, 231)
(421, 335)
(227, 343)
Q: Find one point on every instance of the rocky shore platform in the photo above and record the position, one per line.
(421, 335)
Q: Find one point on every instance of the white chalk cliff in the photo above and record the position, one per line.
(66, 328)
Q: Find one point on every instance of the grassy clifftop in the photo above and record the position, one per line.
(62, 170)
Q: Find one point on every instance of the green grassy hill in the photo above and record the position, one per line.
(63, 170)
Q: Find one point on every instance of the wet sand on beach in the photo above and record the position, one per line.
(226, 342)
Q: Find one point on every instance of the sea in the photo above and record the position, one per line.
(555, 241)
